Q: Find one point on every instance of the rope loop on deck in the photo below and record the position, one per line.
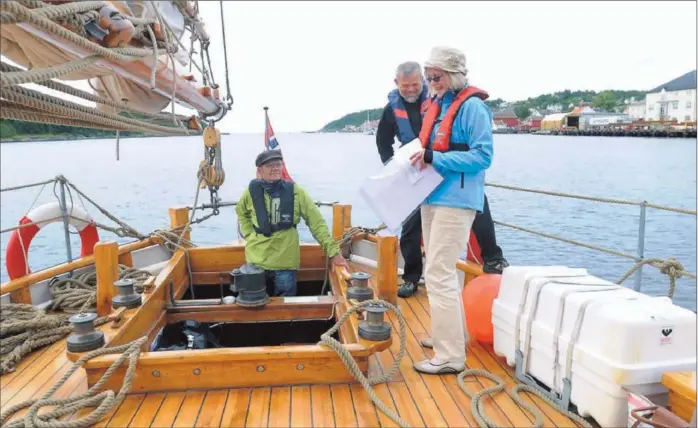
(477, 406)
(350, 363)
(104, 401)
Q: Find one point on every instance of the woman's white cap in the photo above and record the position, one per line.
(447, 59)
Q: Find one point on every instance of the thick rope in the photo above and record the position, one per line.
(34, 75)
(67, 89)
(350, 363)
(477, 406)
(27, 115)
(105, 401)
(24, 328)
(51, 104)
(350, 234)
(671, 267)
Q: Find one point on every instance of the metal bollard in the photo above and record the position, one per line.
(374, 328)
(360, 289)
(85, 338)
(127, 297)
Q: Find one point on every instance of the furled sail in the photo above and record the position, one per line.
(131, 53)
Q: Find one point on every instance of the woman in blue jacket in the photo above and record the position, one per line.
(456, 138)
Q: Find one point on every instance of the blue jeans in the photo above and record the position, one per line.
(284, 282)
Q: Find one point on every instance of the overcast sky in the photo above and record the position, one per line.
(312, 62)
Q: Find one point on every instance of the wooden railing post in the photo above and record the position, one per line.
(386, 283)
(107, 267)
(179, 218)
(23, 295)
(341, 220)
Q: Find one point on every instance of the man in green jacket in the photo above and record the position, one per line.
(269, 211)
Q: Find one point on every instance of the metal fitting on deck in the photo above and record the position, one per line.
(85, 337)
(127, 297)
(249, 281)
(374, 328)
(359, 289)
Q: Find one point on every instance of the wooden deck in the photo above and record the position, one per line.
(422, 400)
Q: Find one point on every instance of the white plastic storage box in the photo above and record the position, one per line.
(617, 337)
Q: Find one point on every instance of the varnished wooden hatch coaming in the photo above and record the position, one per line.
(233, 366)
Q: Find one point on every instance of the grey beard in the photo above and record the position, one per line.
(411, 99)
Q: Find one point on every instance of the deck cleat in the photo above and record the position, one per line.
(85, 338)
(127, 297)
(359, 289)
(374, 328)
(249, 281)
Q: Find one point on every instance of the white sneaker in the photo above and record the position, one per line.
(436, 366)
(427, 343)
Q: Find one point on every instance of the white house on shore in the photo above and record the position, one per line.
(674, 100)
(636, 109)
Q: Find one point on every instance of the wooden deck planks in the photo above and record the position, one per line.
(212, 408)
(421, 400)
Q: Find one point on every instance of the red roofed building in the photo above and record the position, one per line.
(507, 117)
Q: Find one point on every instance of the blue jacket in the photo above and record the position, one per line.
(463, 171)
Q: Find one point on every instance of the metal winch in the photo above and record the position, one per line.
(359, 289)
(374, 328)
(127, 297)
(249, 281)
(85, 338)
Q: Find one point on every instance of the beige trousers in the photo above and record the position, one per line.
(446, 231)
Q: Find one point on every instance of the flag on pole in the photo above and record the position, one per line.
(270, 143)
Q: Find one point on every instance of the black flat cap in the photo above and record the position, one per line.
(268, 155)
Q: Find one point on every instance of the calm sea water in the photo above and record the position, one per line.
(157, 173)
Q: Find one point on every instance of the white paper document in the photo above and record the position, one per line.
(399, 188)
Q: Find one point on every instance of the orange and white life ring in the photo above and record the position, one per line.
(18, 245)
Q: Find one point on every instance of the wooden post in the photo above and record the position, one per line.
(347, 217)
(341, 220)
(386, 283)
(107, 266)
(21, 296)
(179, 218)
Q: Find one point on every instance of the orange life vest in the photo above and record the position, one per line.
(442, 140)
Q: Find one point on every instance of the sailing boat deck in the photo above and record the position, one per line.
(422, 400)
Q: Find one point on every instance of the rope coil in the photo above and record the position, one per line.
(105, 401)
(350, 363)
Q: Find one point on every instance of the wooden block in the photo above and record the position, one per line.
(107, 267)
(387, 269)
(682, 393)
(179, 218)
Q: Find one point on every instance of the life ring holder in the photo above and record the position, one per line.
(17, 253)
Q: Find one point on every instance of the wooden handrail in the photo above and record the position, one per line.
(48, 273)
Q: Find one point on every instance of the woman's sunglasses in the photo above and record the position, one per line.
(434, 79)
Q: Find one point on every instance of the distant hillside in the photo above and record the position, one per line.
(353, 119)
(608, 100)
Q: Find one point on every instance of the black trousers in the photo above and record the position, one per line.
(411, 240)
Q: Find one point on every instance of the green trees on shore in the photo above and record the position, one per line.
(608, 100)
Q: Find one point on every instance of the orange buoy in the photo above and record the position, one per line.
(478, 297)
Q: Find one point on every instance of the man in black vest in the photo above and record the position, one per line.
(402, 118)
(269, 211)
